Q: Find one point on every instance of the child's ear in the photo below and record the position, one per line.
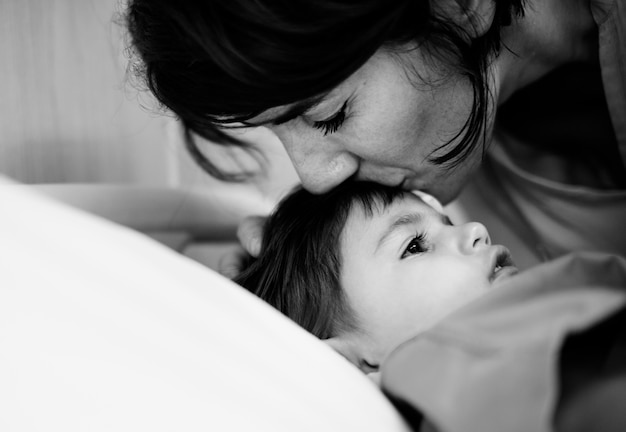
(346, 348)
(475, 16)
(339, 345)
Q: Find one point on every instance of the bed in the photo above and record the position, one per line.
(106, 326)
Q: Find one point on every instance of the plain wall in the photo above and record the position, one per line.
(70, 114)
(67, 113)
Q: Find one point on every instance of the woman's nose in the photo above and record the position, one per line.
(320, 165)
(474, 237)
(321, 173)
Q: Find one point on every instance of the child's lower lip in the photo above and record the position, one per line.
(504, 272)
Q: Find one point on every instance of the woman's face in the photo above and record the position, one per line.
(382, 124)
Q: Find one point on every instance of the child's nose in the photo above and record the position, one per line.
(475, 237)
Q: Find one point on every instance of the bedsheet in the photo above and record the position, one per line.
(104, 329)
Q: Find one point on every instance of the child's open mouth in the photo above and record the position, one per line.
(502, 265)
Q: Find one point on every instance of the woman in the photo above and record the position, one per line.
(404, 92)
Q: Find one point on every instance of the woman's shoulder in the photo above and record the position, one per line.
(602, 9)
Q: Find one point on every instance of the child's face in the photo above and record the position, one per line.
(405, 268)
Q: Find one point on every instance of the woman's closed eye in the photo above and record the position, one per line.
(332, 124)
(417, 245)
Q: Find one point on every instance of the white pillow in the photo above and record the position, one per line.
(103, 329)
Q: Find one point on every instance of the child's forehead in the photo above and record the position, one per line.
(366, 225)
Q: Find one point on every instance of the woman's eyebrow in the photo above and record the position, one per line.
(298, 109)
(291, 113)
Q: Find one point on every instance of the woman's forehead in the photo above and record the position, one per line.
(283, 113)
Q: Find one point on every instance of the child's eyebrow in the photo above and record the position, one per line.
(404, 220)
(446, 220)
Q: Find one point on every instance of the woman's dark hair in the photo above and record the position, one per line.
(298, 268)
(218, 63)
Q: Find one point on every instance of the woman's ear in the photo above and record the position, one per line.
(475, 16)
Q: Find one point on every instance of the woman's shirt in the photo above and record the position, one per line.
(610, 15)
(554, 180)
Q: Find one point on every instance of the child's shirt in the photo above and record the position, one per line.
(510, 361)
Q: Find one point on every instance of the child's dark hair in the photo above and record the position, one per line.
(298, 268)
(221, 62)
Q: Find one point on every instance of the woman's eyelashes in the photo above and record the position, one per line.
(332, 124)
(417, 245)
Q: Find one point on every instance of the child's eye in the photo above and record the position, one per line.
(416, 246)
(332, 124)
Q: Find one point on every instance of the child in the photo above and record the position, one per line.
(366, 266)
(379, 274)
